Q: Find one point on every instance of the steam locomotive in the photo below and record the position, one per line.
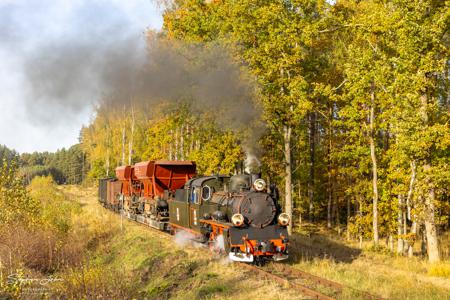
(236, 212)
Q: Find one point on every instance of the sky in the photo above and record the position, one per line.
(33, 32)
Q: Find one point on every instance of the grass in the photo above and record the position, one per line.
(120, 259)
(373, 270)
(440, 269)
(149, 266)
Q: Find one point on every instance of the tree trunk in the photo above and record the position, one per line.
(123, 145)
(423, 243)
(330, 207)
(391, 243)
(108, 141)
(329, 167)
(300, 202)
(176, 144)
(411, 189)
(348, 218)
(405, 229)
(410, 245)
(171, 145)
(330, 202)
(191, 136)
(182, 142)
(312, 150)
(374, 166)
(400, 245)
(287, 130)
(430, 226)
(107, 162)
(359, 213)
(336, 209)
(130, 146)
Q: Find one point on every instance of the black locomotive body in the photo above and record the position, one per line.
(235, 213)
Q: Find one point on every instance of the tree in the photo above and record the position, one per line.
(280, 44)
(16, 205)
(422, 60)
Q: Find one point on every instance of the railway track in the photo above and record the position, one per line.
(287, 281)
(307, 284)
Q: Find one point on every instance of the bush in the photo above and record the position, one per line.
(441, 269)
(35, 225)
(16, 205)
(90, 281)
(41, 250)
(57, 209)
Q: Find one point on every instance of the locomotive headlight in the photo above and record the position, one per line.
(284, 219)
(237, 220)
(259, 185)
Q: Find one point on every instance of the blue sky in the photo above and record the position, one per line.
(29, 32)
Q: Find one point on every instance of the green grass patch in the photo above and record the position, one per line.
(211, 289)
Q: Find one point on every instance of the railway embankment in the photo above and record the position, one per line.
(124, 259)
(97, 254)
(170, 267)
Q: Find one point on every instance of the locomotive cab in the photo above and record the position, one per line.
(192, 203)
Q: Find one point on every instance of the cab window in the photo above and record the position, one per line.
(206, 193)
(195, 195)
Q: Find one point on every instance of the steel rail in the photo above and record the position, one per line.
(284, 281)
(322, 281)
(308, 276)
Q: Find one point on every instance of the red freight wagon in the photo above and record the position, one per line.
(142, 188)
(114, 187)
(161, 175)
(123, 174)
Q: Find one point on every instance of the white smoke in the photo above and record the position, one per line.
(251, 163)
(225, 260)
(183, 238)
(219, 244)
(219, 250)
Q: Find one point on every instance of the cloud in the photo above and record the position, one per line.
(68, 55)
(36, 36)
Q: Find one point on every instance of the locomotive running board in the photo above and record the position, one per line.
(149, 222)
(240, 257)
(280, 257)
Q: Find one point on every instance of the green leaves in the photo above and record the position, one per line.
(316, 68)
(15, 203)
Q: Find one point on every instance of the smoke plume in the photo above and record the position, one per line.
(76, 73)
(101, 57)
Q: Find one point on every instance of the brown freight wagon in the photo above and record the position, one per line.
(161, 175)
(145, 187)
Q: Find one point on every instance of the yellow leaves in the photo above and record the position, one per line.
(218, 155)
(441, 269)
(56, 208)
(171, 131)
(15, 203)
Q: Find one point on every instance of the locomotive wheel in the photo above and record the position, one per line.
(259, 261)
